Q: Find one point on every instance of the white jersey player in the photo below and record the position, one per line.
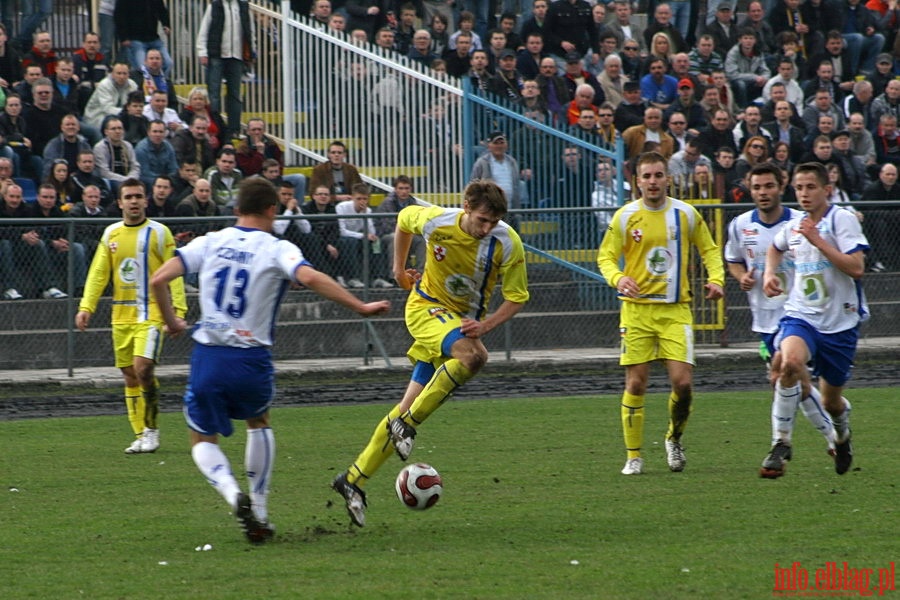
(243, 273)
(824, 307)
(749, 236)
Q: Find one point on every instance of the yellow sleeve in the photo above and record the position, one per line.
(412, 219)
(611, 251)
(515, 274)
(709, 252)
(98, 276)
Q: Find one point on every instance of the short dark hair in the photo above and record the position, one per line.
(402, 179)
(132, 182)
(487, 195)
(767, 168)
(135, 97)
(255, 196)
(816, 168)
(361, 188)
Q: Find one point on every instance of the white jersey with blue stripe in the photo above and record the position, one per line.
(823, 295)
(243, 276)
(749, 239)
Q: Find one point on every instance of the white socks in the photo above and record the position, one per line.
(259, 457)
(815, 414)
(215, 467)
(784, 407)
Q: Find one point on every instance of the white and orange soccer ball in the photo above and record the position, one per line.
(419, 486)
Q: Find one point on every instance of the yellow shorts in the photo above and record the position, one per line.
(429, 324)
(656, 331)
(137, 339)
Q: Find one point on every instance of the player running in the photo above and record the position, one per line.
(468, 251)
(749, 236)
(825, 303)
(243, 271)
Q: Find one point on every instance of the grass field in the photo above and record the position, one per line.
(534, 507)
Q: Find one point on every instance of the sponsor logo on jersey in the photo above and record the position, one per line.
(659, 260)
(459, 285)
(128, 271)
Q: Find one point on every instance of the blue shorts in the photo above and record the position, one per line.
(227, 383)
(769, 340)
(831, 353)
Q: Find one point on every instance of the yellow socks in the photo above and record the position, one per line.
(446, 378)
(376, 452)
(134, 403)
(679, 411)
(633, 423)
(151, 406)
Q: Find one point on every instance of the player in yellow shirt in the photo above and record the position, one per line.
(128, 254)
(468, 251)
(654, 234)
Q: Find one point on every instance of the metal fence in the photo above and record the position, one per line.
(571, 307)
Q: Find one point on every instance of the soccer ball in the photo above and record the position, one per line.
(419, 486)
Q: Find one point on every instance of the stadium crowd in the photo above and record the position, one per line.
(773, 80)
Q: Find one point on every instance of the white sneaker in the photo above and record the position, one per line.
(135, 447)
(633, 466)
(54, 293)
(382, 283)
(150, 440)
(12, 294)
(355, 283)
(190, 289)
(675, 456)
(341, 281)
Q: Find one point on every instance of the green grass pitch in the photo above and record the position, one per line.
(534, 507)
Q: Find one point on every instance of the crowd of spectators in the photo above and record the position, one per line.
(716, 93)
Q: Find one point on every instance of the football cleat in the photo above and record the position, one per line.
(150, 440)
(135, 447)
(257, 532)
(843, 455)
(675, 456)
(355, 498)
(633, 466)
(774, 464)
(403, 437)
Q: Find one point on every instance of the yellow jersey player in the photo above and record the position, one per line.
(654, 234)
(469, 250)
(128, 254)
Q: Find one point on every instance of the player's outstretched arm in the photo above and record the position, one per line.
(328, 288)
(171, 269)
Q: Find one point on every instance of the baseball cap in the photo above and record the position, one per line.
(836, 134)
(496, 136)
(631, 86)
(884, 57)
(507, 53)
(724, 6)
(685, 83)
(573, 57)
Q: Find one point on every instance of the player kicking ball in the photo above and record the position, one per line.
(749, 236)
(468, 251)
(243, 271)
(825, 304)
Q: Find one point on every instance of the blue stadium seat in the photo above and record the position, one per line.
(29, 188)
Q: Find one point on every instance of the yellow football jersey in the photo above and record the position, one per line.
(128, 255)
(460, 270)
(655, 244)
